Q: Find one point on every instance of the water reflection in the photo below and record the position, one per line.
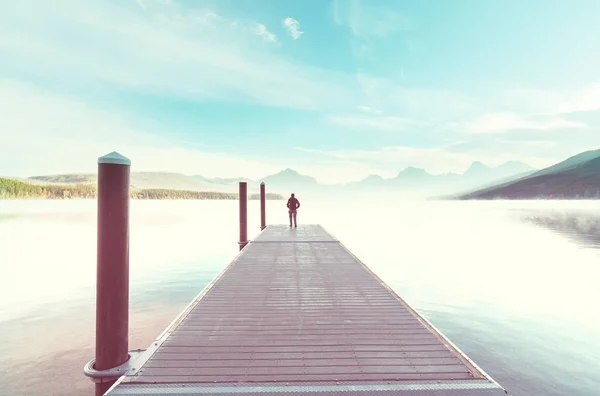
(579, 226)
(518, 299)
(45, 355)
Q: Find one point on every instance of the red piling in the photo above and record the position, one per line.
(243, 196)
(263, 216)
(112, 288)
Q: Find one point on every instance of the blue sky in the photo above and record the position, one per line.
(336, 89)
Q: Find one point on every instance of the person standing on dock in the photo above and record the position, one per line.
(293, 204)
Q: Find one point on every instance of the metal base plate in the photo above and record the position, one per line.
(446, 388)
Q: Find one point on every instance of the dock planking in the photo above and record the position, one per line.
(296, 313)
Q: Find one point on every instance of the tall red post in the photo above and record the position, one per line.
(243, 196)
(263, 216)
(112, 287)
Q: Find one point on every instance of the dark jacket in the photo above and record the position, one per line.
(293, 203)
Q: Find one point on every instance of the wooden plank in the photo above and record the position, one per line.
(292, 349)
(272, 378)
(354, 317)
(300, 340)
(315, 369)
(406, 338)
(280, 329)
(322, 320)
(258, 356)
(252, 361)
(268, 332)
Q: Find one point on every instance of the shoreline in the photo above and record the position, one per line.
(135, 199)
(17, 190)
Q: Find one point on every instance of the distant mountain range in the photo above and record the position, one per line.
(577, 177)
(289, 180)
(477, 175)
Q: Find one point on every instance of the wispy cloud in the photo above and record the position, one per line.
(365, 19)
(395, 158)
(48, 133)
(372, 122)
(587, 99)
(165, 49)
(550, 102)
(498, 148)
(504, 122)
(369, 110)
(44, 133)
(294, 27)
(195, 53)
(263, 32)
(435, 105)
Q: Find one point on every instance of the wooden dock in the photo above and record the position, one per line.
(297, 313)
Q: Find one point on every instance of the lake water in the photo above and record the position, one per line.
(520, 299)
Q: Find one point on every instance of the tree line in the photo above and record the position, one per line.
(15, 189)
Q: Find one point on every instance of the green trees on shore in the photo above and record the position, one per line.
(15, 189)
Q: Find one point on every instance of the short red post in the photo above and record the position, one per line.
(243, 196)
(112, 287)
(263, 216)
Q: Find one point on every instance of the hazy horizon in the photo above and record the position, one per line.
(41, 174)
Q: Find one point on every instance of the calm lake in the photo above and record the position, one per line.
(519, 298)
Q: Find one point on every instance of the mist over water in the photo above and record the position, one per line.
(513, 284)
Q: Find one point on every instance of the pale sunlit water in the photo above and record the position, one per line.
(519, 299)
